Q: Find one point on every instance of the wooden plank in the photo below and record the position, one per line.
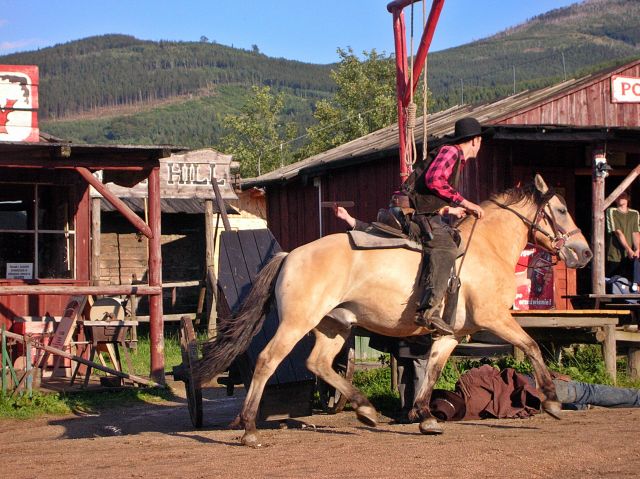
(570, 312)
(566, 322)
(141, 290)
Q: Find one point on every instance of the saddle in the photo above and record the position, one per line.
(395, 221)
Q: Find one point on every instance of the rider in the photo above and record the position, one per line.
(437, 202)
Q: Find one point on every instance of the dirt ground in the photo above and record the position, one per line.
(157, 440)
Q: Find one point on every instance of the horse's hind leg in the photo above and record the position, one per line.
(509, 330)
(276, 350)
(440, 351)
(330, 338)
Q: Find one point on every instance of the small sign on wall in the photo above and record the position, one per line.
(19, 103)
(19, 271)
(625, 89)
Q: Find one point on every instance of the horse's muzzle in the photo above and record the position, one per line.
(576, 254)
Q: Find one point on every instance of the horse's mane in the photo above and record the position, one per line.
(527, 193)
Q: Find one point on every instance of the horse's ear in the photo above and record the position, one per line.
(541, 186)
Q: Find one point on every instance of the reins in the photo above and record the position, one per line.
(456, 277)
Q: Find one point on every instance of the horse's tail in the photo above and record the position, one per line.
(235, 334)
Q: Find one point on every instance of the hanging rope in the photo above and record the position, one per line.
(410, 140)
(425, 149)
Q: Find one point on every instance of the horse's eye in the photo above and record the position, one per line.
(562, 211)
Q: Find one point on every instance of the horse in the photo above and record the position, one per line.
(326, 286)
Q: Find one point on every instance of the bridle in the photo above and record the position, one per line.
(558, 237)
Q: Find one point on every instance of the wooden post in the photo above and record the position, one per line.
(393, 364)
(633, 363)
(95, 241)
(609, 351)
(156, 326)
(597, 236)
(210, 280)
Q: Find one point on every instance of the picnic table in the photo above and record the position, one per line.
(588, 326)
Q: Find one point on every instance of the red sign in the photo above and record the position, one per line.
(19, 103)
(625, 89)
(534, 280)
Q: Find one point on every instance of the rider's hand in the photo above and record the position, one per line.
(472, 208)
(458, 212)
(344, 215)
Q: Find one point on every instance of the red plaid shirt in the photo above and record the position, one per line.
(437, 176)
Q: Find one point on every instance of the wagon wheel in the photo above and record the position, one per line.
(332, 400)
(189, 347)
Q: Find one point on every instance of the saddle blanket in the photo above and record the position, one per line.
(366, 240)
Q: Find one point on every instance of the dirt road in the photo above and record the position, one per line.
(157, 441)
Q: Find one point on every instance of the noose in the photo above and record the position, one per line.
(410, 140)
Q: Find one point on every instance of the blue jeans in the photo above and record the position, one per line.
(581, 394)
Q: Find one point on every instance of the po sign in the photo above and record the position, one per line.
(625, 89)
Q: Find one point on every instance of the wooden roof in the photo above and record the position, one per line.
(169, 205)
(384, 142)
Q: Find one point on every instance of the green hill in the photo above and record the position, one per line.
(118, 89)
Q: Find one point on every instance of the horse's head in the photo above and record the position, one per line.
(554, 228)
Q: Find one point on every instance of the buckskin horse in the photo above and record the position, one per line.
(376, 290)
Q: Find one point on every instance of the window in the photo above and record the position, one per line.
(37, 233)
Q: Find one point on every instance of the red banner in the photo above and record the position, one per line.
(19, 103)
(534, 280)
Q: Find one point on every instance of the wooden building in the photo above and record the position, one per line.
(185, 188)
(553, 131)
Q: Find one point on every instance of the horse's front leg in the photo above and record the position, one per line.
(441, 349)
(508, 329)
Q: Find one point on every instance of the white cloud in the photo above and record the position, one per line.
(18, 44)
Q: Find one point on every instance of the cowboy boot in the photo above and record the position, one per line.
(437, 323)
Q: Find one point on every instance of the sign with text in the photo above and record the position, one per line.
(188, 175)
(19, 271)
(625, 89)
(19, 103)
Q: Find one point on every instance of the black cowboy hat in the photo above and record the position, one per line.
(447, 405)
(467, 128)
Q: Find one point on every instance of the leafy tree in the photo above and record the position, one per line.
(364, 102)
(257, 137)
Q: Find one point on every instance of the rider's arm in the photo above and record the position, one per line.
(437, 175)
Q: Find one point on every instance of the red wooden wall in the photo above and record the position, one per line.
(589, 105)
(24, 305)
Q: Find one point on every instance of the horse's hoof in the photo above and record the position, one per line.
(367, 415)
(430, 427)
(552, 408)
(251, 439)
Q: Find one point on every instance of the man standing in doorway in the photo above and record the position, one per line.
(437, 202)
(623, 244)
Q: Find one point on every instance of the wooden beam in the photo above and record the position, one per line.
(117, 203)
(96, 237)
(221, 206)
(597, 232)
(156, 326)
(66, 290)
(621, 187)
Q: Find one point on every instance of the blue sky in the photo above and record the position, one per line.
(305, 30)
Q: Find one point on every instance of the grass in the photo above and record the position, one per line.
(582, 363)
(22, 406)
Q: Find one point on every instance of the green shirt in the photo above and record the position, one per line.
(628, 223)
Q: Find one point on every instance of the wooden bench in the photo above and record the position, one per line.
(588, 326)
